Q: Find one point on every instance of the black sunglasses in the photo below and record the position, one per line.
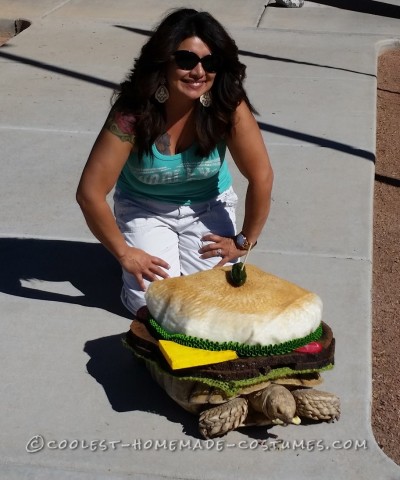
(186, 60)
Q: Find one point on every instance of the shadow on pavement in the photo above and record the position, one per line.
(364, 6)
(129, 386)
(88, 267)
(60, 70)
(320, 141)
(274, 58)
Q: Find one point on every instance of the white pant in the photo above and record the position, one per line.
(171, 232)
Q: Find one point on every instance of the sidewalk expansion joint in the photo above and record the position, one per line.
(262, 15)
(57, 7)
(356, 258)
(46, 130)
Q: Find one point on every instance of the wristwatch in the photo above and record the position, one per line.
(242, 243)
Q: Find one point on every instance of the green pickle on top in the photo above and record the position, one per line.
(238, 274)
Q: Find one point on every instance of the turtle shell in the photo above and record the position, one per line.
(193, 394)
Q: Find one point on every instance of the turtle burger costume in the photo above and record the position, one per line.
(237, 351)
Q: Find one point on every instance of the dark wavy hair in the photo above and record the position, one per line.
(136, 93)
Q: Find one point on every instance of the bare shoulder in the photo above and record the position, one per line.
(243, 115)
(245, 129)
(246, 144)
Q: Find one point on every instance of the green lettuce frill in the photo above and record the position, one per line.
(241, 349)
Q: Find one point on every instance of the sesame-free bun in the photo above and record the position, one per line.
(266, 310)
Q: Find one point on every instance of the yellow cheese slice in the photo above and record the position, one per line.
(180, 356)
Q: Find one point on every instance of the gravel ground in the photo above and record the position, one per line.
(386, 264)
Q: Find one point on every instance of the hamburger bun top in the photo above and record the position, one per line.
(266, 310)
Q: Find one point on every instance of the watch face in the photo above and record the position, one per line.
(240, 240)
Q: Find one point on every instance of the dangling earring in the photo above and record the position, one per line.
(162, 94)
(206, 99)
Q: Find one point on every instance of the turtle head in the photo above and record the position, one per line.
(279, 405)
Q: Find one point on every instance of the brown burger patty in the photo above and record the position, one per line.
(144, 344)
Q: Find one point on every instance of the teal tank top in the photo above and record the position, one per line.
(183, 178)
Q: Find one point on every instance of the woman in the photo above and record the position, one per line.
(163, 145)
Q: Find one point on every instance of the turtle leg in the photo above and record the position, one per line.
(219, 420)
(317, 405)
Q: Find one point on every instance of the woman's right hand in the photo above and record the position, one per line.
(143, 266)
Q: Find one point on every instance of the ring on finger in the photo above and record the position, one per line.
(218, 252)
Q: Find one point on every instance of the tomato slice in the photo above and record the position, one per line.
(312, 347)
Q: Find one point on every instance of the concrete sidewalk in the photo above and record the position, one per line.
(66, 382)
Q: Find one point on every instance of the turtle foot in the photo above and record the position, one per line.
(219, 420)
(317, 405)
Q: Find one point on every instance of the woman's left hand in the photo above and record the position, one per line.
(223, 247)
